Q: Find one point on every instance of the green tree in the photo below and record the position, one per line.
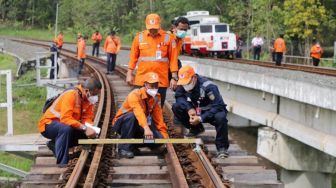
(302, 20)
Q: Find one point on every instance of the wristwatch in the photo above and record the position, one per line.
(84, 127)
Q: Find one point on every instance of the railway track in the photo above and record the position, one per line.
(99, 165)
(102, 167)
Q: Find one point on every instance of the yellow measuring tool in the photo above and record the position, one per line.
(142, 141)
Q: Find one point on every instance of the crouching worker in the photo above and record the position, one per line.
(198, 101)
(64, 121)
(140, 116)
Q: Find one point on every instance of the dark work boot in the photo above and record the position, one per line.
(222, 153)
(125, 154)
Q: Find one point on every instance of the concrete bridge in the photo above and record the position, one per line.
(296, 112)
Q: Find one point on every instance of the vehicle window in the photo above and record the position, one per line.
(220, 28)
(206, 28)
(194, 22)
(195, 32)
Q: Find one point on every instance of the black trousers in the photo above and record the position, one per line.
(278, 58)
(257, 51)
(111, 61)
(52, 71)
(64, 137)
(95, 48)
(128, 127)
(81, 65)
(218, 120)
(316, 61)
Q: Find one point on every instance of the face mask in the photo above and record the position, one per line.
(93, 99)
(181, 34)
(152, 92)
(189, 86)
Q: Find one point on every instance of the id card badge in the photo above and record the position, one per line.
(158, 54)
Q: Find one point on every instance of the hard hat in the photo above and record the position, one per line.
(151, 77)
(185, 74)
(153, 21)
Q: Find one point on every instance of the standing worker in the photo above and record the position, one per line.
(153, 50)
(81, 53)
(140, 116)
(198, 101)
(111, 47)
(179, 32)
(53, 57)
(279, 49)
(257, 43)
(64, 121)
(96, 38)
(316, 53)
(59, 41)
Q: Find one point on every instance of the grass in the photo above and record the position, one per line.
(27, 110)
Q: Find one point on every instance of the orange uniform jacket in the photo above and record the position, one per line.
(136, 103)
(67, 109)
(112, 45)
(59, 40)
(316, 51)
(279, 45)
(81, 46)
(96, 37)
(144, 54)
(179, 44)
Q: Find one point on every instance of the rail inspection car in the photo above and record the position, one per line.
(208, 36)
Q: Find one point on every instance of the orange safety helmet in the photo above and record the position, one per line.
(185, 74)
(151, 77)
(152, 21)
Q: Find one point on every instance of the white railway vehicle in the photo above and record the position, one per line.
(208, 36)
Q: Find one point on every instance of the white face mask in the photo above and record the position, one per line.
(93, 99)
(189, 86)
(152, 92)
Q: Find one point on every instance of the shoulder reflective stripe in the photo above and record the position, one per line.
(166, 39)
(148, 58)
(141, 37)
(206, 83)
(202, 92)
(52, 108)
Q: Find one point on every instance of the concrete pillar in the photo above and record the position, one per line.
(303, 165)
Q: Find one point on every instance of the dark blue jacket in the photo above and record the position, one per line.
(206, 93)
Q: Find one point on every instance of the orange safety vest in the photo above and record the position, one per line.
(112, 45)
(59, 40)
(81, 54)
(153, 54)
(96, 37)
(279, 45)
(138, 102)
(67, 110)
(316, 51)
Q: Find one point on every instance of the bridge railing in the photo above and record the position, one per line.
(9, 100)
(327, 62)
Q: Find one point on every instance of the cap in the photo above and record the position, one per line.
(185, 74)
(153, 21)
(151, 77)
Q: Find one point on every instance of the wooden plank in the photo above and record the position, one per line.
(140, 170)
(237, 160)
(139, 161)
(264, 176)
(47, 170)
(45, 161)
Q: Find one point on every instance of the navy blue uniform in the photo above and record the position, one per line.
(205, 95)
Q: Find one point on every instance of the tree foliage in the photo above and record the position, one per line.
(300, 20)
